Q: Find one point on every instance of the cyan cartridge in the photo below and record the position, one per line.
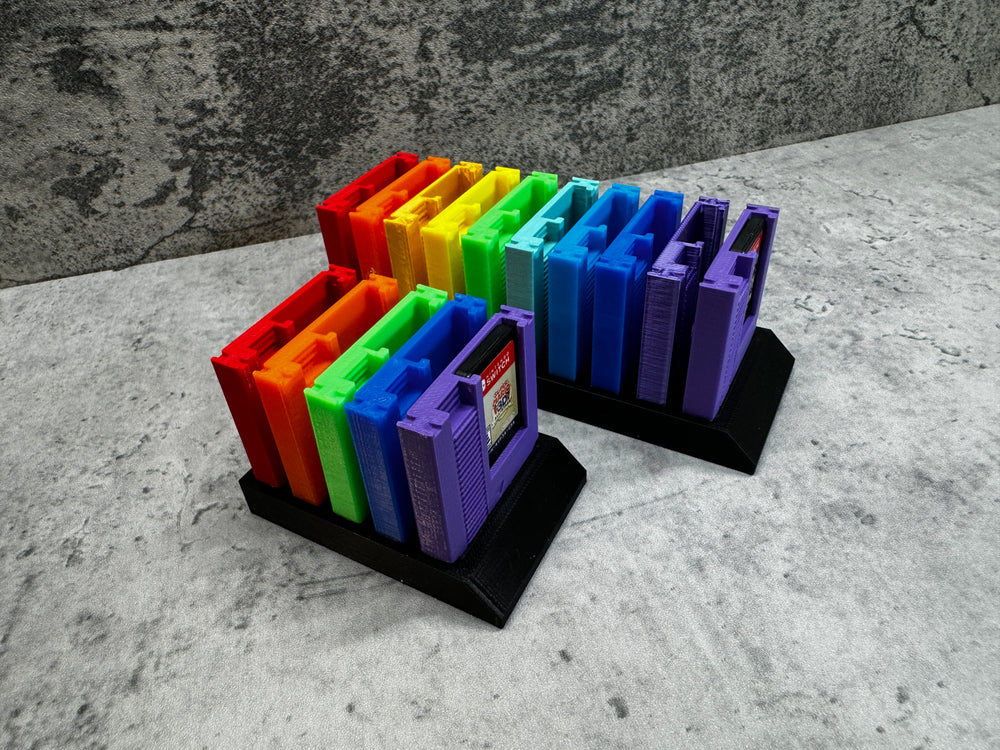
(527, 254)
(571, 279)
(728, 306)
(442, 234)
(334, 212)
(468, 435)
(367, 220)
(251, 350)
(620, 289)
(384, 400)
(484, 244)
(671, 296)
(296, 365)
(402, 228)
(335, 388)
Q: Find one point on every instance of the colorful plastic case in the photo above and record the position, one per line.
(402, 228)
(368, 219)
(671, 298)
(334, 212)
(527, 255)
(620, 290)
(728, 306)
(297, 364)
(384, 400)
(571, 280)
(484, 245)
(252, 349)
(445, 449)
(442, 234)
(335, 388)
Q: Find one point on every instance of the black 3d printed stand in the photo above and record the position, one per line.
(490, 577)
(735, 438)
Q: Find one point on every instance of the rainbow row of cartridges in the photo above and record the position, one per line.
(588, 259)
(400, 384)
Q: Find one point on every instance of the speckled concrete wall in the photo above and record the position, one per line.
(133, 132)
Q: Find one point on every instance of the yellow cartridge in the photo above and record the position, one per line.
(402, 228)
(442, 234)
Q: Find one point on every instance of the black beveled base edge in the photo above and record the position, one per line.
(735, 438)
(489, 578)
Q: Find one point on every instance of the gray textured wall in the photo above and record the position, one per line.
(133, 132)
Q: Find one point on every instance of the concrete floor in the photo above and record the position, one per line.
(844, 596)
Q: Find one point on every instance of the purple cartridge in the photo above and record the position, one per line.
(467, 436)
(728, 306)
(671, 297)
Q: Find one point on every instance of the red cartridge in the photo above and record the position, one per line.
(334, 212)
(367, 220)
(284, 377)
(251, 350)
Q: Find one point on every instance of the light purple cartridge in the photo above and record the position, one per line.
(728, 306)
(671, 297)
(470, 432)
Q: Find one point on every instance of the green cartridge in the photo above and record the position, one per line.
(336, 386)
(441, 235)
(483, 245)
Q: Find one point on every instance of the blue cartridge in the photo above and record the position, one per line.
(571, 279)
(385, 399)
(527, 254)
(620, 289)
(671, 299)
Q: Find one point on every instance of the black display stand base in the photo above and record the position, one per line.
(490, 577)
(735, 438)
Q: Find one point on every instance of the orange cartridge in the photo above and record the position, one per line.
(295, 367)
(402, 228)
(443, 234)
(367, 220)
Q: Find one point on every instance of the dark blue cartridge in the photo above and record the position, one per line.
(620, 289)
(384, 400)
(671, 298)
(571, 279)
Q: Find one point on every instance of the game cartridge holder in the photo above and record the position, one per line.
(488, 579)
(486, 519)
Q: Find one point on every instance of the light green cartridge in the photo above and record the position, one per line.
(336, 386)
(484, 244)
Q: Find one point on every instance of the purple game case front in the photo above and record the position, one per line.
(671, 297)
(727, 310)
(445, 448)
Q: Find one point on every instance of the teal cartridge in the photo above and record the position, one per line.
(527, 255)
